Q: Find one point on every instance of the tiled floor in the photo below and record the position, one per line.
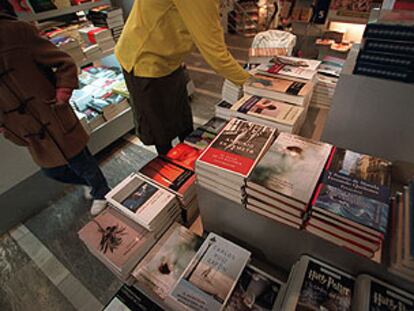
(43, 264)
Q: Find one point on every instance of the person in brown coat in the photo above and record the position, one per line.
(36, 82)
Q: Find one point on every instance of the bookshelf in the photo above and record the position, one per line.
(33, 17)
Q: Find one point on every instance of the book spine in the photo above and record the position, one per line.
(389, 32)
(385, 72)
(394, 47)
(387, 59)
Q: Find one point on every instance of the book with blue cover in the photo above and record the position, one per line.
(355, 190)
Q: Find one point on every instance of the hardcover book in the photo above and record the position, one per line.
(255, 290)
(164, 264)
(318, 286)
(375, 295)
(291, 167)
(141, 200)
(291, 67)
(211, 276)
(238, 147)
(356, 187)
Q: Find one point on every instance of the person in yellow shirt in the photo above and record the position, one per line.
(157, 36)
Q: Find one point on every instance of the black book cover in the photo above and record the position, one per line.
(391, 59)
(390, 32)
(325, 289)
(388, 46)
(383, 298)
(320, 12)
(384, 72)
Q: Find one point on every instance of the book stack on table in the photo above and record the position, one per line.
(109, 17)
(231, 92)
(224, 165)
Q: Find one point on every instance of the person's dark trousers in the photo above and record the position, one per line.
(82, 169)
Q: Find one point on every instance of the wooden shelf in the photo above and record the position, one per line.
(30, 17)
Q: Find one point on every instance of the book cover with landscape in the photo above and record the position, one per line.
(165, 263)
(325, 289)
(292, 166)
(255, 290)
(238, 146)
(211, 276)
(356, 186)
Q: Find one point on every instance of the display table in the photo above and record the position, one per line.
(278, 244)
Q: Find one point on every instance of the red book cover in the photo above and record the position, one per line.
(238, 147)
(184, 155)
(169, 175)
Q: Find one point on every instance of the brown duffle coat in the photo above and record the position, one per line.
(31, 68)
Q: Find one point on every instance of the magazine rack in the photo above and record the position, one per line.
(280, 244)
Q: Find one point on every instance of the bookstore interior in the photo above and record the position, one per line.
(294, 191)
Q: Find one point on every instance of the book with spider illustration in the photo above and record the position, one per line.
(142, 201)
(211, 276)
(115, 242)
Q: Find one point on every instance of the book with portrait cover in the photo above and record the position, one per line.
(355, 189)
(114, 241)
(294, 92)
(267, 109)
(318, 286)
(291, 169)
(142, 201)
(167, 260)
(211, 276)
(255, 290)
(372, 294)
(238, 147)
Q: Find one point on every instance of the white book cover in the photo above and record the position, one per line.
(211, 276)
(292, 166)
(291, 67)
(140, 200)
(268, 109)
(165, 263)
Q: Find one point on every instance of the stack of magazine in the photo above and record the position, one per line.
(402, 232)
(276, 114)
(280, 187)
(149, 205)
(175, 173)
(224, 165)
(351, 204)
(117, 242)
(205, 134)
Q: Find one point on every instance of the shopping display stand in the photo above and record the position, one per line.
(279, 244)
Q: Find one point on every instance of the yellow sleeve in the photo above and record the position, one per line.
(202, 19)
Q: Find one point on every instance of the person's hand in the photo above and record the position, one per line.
(63, 95)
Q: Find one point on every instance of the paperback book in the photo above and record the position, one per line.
(211, 276)
(255, 290)
(167, 260)
(318, 286)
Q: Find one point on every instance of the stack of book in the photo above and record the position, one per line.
(387, 50)
(290, 68)
(69, 45)
(210, 277)
(292, 92)
(109, 17)
(224, 165)
(223, 110)
(175, 173)
(315, 285)
(374, 294)
(144, 202)
(351, 204)
(98, 35)
(281, 186)
(326, 81)
(402, 232)
(264, 55)
(161, 268)
(231, 92)
(204, 135)
(118, 243)
(91, 51)
(276, 114)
